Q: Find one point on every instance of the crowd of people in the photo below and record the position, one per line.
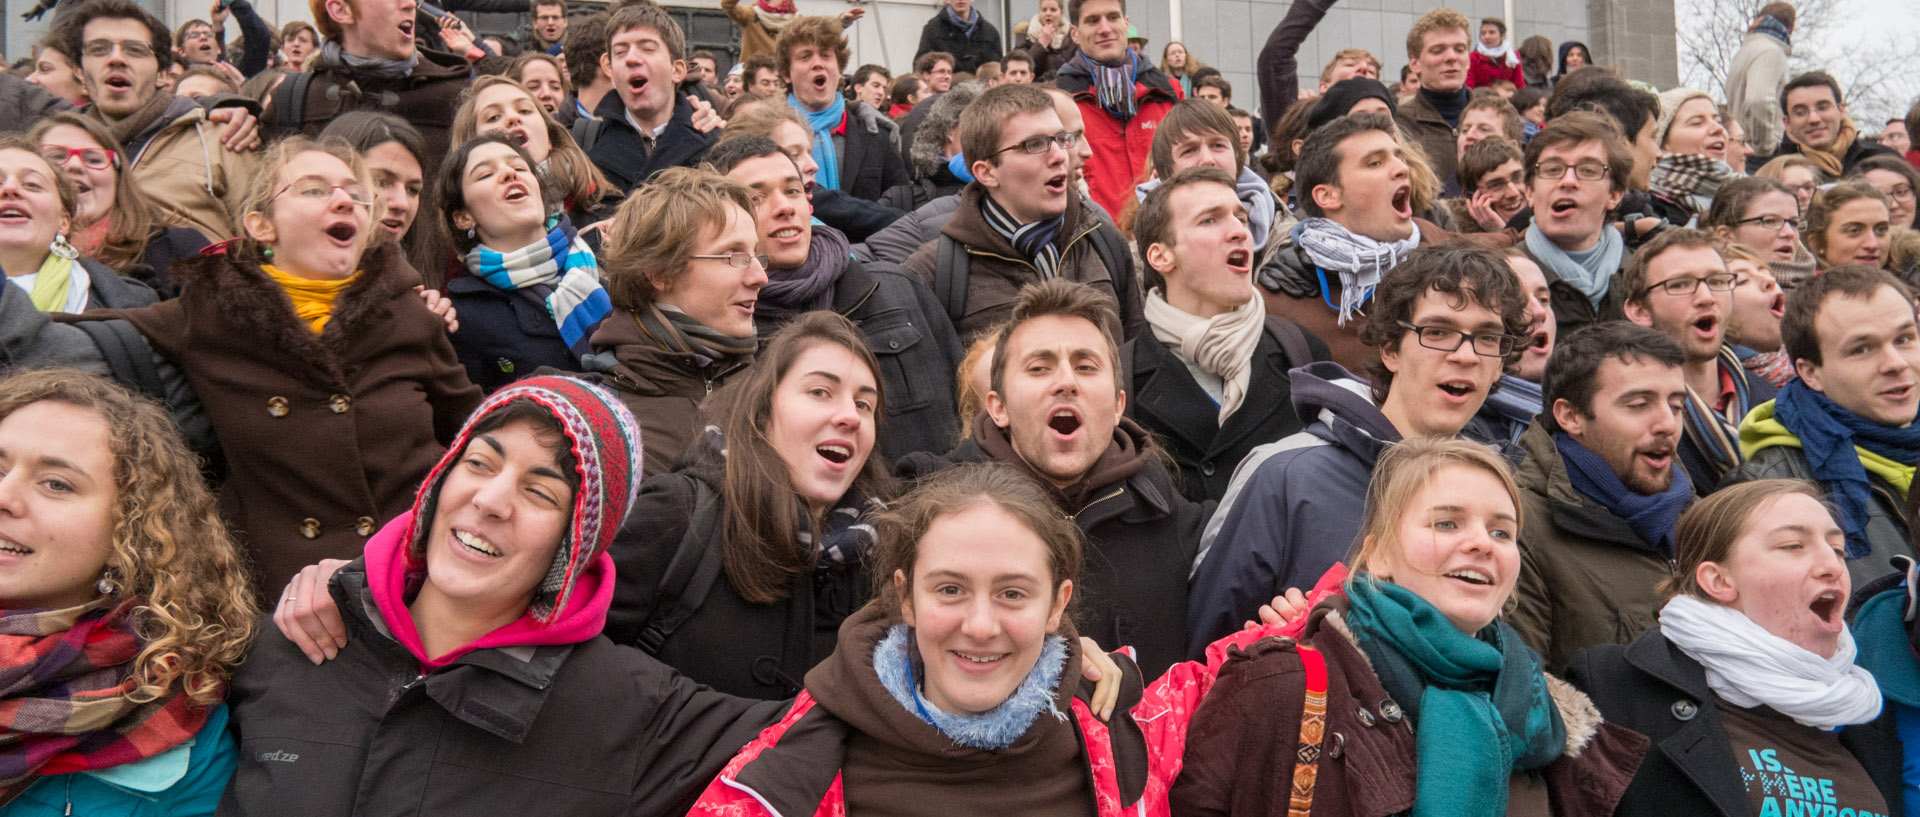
(395, 420)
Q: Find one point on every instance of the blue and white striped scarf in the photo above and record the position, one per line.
(561, 271)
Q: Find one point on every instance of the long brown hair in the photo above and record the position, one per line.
(580, 183)
(131, 222)
(760, 545)
(171, 551)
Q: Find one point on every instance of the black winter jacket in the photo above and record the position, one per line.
(1653, 688)
(968, 50)
(577, 729)
(1164, 399)
(919, 355)
(505, 336)
(760, 651)
(868, 144)
(617, 149)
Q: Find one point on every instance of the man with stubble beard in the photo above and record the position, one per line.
(1600, 491)
(1055, 412)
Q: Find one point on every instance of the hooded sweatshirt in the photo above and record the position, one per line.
(897, 764)
(1294, 506)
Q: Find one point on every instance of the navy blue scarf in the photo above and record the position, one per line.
(1775, 29)
(1033, 239)
(1828, 434)
(1651, 517)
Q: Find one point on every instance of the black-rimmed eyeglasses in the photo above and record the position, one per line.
(1443, 339)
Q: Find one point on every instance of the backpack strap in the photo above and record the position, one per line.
(127, 356)
(1111, 247)
(1293, 341)
(1313, 730)
(586, 132)
(951, 267)
(290, 101)
(690, 575)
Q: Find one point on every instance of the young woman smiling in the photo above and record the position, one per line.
(782, 490)
(1749, 680)
(478, 682)
(1407, 688)
(113, 222)
(531, 290)
(37, 206)
(123, 602)
(330, 386)
(1848, 223)
(957, 684)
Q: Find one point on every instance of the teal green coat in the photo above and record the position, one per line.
(185, 780)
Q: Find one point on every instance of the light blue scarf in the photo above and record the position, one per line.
(823, 124)
(1592, 271)
(561, 271)
(996, 728)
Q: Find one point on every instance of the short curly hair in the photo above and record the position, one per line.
(823, 33)
(1462, 270)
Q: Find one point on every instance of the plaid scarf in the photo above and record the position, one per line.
(1775, 366)
(560, 272)
(1113, 84)
(847, 534)
(1718, 432)
(65, 679)
(1690, 179)
(1033, 239)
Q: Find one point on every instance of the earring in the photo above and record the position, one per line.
(61, 248)
(103, 587)
(266, 253)
(469, 232)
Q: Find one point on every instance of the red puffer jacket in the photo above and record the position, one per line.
(1119, 148)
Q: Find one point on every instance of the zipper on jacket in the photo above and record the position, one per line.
(1118, 490)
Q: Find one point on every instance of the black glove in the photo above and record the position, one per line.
(38, 10)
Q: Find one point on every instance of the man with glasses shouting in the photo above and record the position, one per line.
(1443, 324)
(1577, 170)
(1020, 220)
(1679, 285)
(175, 151)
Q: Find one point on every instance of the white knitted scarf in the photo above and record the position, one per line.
(1748, 666)
(1222, 344)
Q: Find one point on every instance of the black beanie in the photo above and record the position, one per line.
(1343, 95)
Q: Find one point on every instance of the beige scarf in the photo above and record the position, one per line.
(1222, 345)
(1829, 160)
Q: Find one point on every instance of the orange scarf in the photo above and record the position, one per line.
(312, 299)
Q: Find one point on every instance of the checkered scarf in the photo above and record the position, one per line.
(65, 675)
(1691, 179)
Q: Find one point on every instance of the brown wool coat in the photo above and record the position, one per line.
(1242, 743)
(326, 436)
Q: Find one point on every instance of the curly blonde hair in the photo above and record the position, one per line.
(171, 551)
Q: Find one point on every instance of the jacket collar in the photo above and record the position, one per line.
(853, 288)
(245, 295)
(623, 352)
(1166, 394)
(1700, 748)
(499, 691)
(970, 228)
(1544, 472)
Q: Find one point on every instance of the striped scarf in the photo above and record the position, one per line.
(65, 682)
(560, 271)
(847, 535)
(1113, 84)
(1033, 239)
(1718, 432)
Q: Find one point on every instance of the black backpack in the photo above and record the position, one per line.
(952, 265)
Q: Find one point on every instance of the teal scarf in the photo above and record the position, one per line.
(1480, 702)
(823, 124)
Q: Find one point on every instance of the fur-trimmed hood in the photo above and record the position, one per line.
(261, 309)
